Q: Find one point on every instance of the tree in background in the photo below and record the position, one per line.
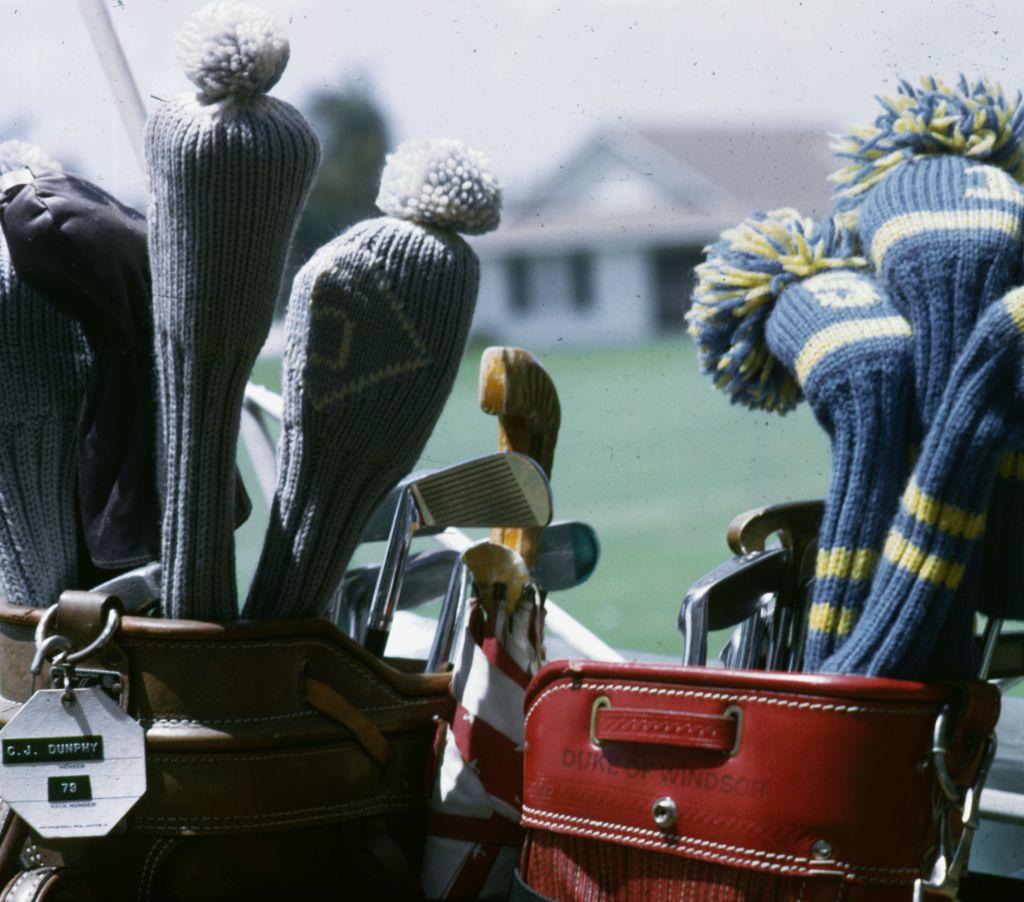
(354, 135)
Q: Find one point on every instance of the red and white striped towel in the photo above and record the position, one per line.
(474, 835)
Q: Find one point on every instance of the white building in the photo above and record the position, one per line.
(602, 250)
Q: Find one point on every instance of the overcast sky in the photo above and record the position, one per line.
(524, 81)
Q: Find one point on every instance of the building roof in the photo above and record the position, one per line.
(640, 184)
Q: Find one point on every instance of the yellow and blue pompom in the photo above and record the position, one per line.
(737, 285)
(971, 120)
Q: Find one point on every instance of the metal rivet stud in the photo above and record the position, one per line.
(822, 850)
(664, 813)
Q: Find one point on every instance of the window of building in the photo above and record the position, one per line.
(673, 284)
(518, 273)
(581, 276)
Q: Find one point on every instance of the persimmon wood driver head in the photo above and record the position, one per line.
(516, 389)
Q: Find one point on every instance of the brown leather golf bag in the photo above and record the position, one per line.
(282, 760)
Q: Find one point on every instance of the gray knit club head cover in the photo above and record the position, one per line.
(43, 365)
(229, 170)
(377, 324)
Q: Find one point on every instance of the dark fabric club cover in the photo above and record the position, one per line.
(85, 252)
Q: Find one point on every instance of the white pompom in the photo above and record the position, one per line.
(229, 48)
(441, 183)
(16, 154)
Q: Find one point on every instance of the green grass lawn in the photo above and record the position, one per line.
(650, 455)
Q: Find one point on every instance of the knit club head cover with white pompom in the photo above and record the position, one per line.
(377, 324)
(229, 171)
(43, 370)
(783, 309)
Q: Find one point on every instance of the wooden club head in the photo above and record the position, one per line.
(500, 574)
(516, 389)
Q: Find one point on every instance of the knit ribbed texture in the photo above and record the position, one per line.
(937, 531)
(43, 370)
(852, 353)
(947, 237)
(848, 352)
(228, 180)
(377, 324)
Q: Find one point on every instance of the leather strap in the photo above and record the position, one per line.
(682, 729)
(49, 885)
(334, 705)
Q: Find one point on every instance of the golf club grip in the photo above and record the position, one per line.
(376, 640)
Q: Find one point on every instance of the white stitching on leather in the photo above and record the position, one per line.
(152, 858)
(355, 804)
(720, 696)
(379, 805)
(257, 645)
(658, 834)
(173, 722)
(215, 757)
(660, 846)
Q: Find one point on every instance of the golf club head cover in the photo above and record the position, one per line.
(377, 324)
(229, 170)
(933, 187)
(785, 309)
(85, 252)
(941, 518)
(43, 371)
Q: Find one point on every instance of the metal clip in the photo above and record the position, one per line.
(47, 650)
(951, 860)
(64, 658)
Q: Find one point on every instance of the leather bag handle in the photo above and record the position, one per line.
(681, 729)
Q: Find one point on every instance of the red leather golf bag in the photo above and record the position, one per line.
(646, 782)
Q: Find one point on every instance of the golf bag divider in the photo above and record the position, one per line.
(281, 758)
(739, 784)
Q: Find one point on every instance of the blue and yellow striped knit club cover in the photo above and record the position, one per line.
(784, 309)
(933, 186)
(941, 519)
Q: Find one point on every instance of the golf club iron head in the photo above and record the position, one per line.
(138, 589)
(502, 489)
(425, 579)
(748, 646)
(378, 528)
(569, 552)
(1006, 662)
(793, 659)
(726, 596)
(796, 524)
